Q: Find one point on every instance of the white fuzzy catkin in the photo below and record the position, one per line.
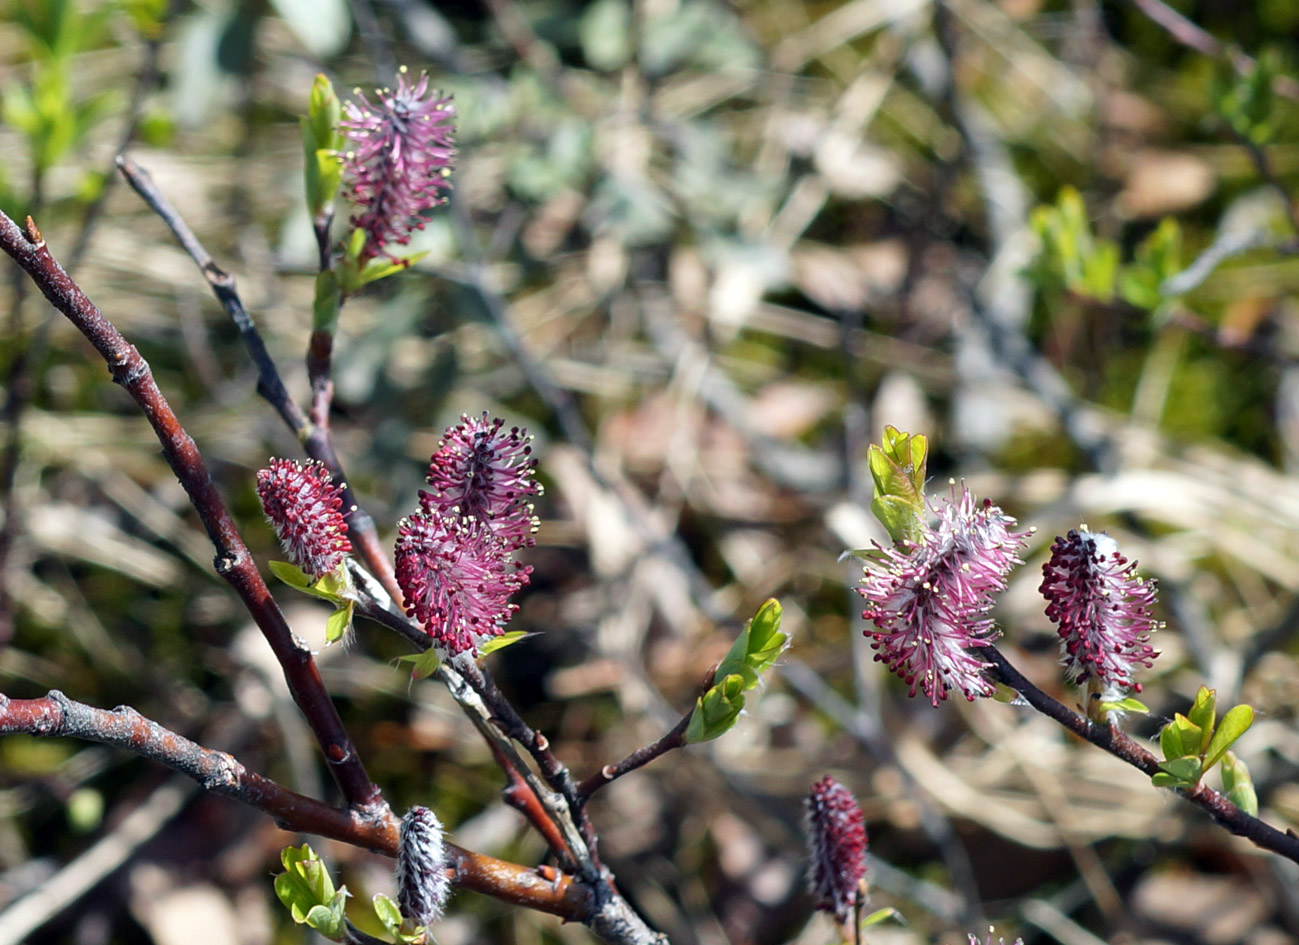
(422, 883)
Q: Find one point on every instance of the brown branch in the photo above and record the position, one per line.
(1125, 748)
(557, 775)
(233, 562)
(498, 723)
(56, 715)
(315, 434)
(520, 795)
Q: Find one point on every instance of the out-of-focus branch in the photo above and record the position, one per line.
(1193, 37)
(233, 562)
(1126, 748)
(56, 715)
(315, 437)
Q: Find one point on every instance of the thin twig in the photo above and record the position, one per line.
(1125, 748)
(676, 738)
(56, 715)
(315, 438)
(498, 723)
(233, 562)
(518, 793)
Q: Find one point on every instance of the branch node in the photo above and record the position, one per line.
(34, 235)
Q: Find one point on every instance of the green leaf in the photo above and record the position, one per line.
(308, 892)
(1203, 714)
(898, 468)
(757, 647)
(1187, 737)
(388, 913)
(335, 587)
(380, 267)
(1238, 784)
(881, 915)
(339, 622)
(1186, 769)
(1165, 780)
(327, 920)
(1125, 705)
(1234, 724)
(291, 574)
(1170, 742)
(324, 112)
(716, 710)
(423, 665)
(504, 640)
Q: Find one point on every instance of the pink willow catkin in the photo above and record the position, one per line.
(836, 839)
(304, 506)
(399, 165)
(455, 556)
(930, 599)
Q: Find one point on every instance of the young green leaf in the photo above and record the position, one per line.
(308, 892)
(335, 587)
(423, 664)
(1238, 784)
(1186, 769)
(1127, 704)
(339, 622)
(327, 300)
(1170, 742)
(881, 915)
(388, 913)
(501, 642)
(898, 468)
(757, 647)
(324, 112)
(1234, 724)
(716, 710)
(290, 574)
(1203, 714)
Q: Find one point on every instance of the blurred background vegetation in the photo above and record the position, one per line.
(704, 251)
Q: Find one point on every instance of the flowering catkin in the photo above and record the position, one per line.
(836, 838)
(304, 507)
(1101, 608)
(483, 471)
(400, 162)
(422, 883)
(930, 599)
(457, 578)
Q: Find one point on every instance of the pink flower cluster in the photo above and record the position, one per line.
(400, 165)
(1102, 609)
(304, 506)
(930, 599)
(455, 556)
(836, 837)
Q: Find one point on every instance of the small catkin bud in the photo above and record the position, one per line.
(836, 837)
(422, 883)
